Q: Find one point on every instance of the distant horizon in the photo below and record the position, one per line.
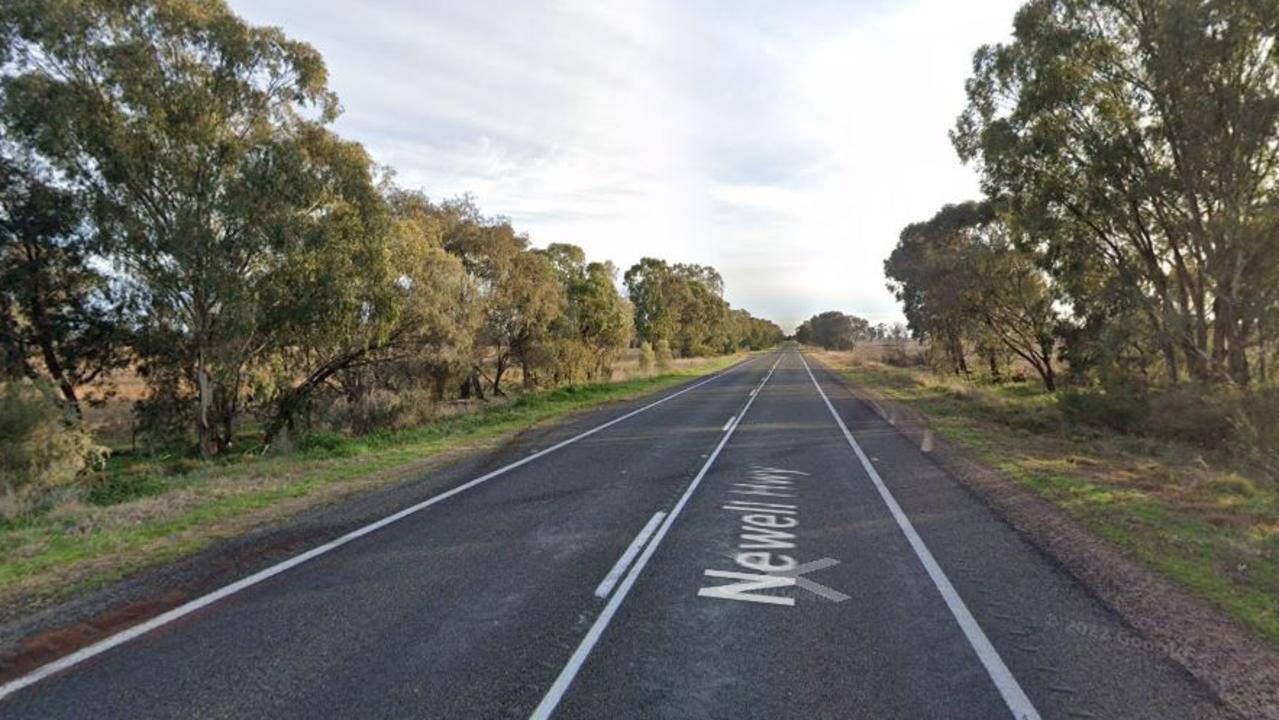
(787, 147)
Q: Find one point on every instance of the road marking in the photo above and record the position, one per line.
(1014, 697)
(553, 696)
(606, 585)
(727, 424)
(79, 656)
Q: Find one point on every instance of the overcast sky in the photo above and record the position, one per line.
(785, 143)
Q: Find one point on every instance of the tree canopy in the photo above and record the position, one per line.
(1134, 146)
(833, 330)
(173, 197)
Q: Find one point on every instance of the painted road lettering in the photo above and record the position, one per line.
(767, 537)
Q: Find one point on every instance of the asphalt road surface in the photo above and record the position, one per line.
(760, 545)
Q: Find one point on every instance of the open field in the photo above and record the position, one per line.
(143, 511)
(1207, 522)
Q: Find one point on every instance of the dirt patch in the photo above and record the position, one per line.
(1240, 669)
(50, 645)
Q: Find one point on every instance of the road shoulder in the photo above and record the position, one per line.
(1240, 669)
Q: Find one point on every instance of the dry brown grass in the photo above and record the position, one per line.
(108, 412)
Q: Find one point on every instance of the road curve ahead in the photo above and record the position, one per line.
(759, 546)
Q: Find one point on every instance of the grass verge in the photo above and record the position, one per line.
(1210, 526)
(142, 514)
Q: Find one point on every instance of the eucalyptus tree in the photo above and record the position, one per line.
(961, 276)
(522, 309)
(487, 247)
(921, 271)
(201, 143)
(596, 322)
(833, 330)
(1141, 139)
(752, 333)
(649, 285)
(61, 317)
(377, 288)
(679, 305)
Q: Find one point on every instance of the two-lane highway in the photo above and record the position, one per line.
(757, 545)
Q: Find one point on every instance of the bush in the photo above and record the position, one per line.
(373, 410)
(898, 355)
(1213, 417)
(1193, 414)
(662, 353)
(162, 421)
(646, 358)
(118, 488)
(1120, 410)
(1256, 431)
(42, 446)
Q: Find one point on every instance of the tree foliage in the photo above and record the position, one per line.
(833, 330)
(682, 307)
(1134, 144)
(170, 153)
(60, 316)
(963, 281)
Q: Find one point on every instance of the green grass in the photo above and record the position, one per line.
(144, 512)
(1210, 526)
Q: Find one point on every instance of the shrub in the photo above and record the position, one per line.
(162, 421)
(1256, 430)
(1193, 414)
(898, 355)
(370, 411)
(122, 487)
(42, 445)
(662, 353)
(1122, 410)
(646, 357)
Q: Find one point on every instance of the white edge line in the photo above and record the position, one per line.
(551, 700)
(68, 661)
(615, 574)
(1014, 697)
(728, 424)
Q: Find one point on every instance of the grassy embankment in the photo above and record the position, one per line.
(1209, 523)
(144, 511)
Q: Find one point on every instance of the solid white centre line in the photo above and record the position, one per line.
(730, 422)
(606, 585)
(124, 636)
(1009, 689)
(553, 696)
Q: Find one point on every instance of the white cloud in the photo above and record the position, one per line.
(787, 144)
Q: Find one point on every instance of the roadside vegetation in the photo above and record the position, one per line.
(210, 302)
(145, 508)
(1125, 252)
(1102, 325)
(1202, 515)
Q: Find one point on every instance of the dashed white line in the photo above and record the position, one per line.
(1014, 697)
(75, 658)
(615, 574)
(728, 424)
(553, 696)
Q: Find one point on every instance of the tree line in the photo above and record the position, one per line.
(1129, 153)
(834, 330)
(174, 200)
